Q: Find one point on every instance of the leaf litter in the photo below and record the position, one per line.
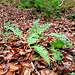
(16, 56)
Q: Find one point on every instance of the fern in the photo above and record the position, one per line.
(57, 55)
(38, 30)
(62, 41)
(58, 35)
(34, 27)
(32, 39)
(6, 33)
(35, 32)
(8, 24)
(35, 35)
(16, 31)
(44, 27)
(41, 50)
(58, 43)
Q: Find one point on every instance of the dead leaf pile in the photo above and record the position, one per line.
(16, 57)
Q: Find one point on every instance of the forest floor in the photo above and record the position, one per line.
(16, 58)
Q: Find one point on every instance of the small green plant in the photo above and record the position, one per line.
(35, 31)
(35, 36)
(41, 50)
(16, 31)
(61, 42)
(72, 73)
(47, 7)
(56, 54)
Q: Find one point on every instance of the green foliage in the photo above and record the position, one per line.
(7, 25)
(16, 31)
(73, 15)
(61, 42)
(32, 39)
(34, 27)
(58, 35)
(69, 44)
(57, 55)
(58, 43)
(0, 31)
(72, 73)
(47, 7)
(41, 50)
(35, 35)
(35, 32)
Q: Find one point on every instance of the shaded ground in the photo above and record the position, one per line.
(16, 58)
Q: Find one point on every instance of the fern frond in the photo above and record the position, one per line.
(35, 31)
(41, 50)
(32, 38)
(44, 27)
(58, 35)
(35, 24)
(57, 55)
(17, 32)
(34, 27)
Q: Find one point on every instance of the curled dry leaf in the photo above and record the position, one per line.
(27, 72)
(3, 72)
(40, 66)
(9, 73)
(69, 57)
(27, 51)
(67, 64)
(26, 65)
(32, 65)
(47, 72)
(13, 67)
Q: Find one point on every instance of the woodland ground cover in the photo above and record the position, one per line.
(25, 41)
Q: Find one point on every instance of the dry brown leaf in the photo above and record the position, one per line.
(27, 72)
(13, 67)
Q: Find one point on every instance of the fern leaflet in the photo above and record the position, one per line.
(41, 50)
